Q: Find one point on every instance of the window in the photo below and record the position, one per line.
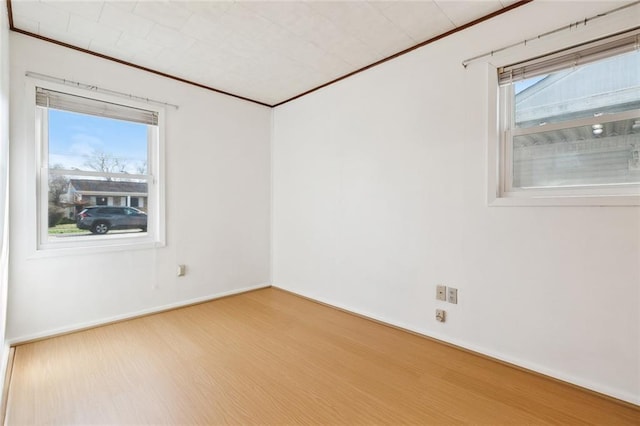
(96, 151)
(570, 125)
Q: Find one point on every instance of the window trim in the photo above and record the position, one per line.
(499, 180)
(156, 231)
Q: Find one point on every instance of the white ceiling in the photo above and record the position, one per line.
(268, 51)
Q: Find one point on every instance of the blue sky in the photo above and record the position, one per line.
(73, 138)
(523, 84)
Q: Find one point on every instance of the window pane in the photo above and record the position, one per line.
(88, 205)
(90, 143)
(97, 172)
(605, 87)
(598, 154)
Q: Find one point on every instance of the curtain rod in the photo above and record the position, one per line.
(96, 88)
(569, 27)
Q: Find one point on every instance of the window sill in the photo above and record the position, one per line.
(96, 246)
(527, 200)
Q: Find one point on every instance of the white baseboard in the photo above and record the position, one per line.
(525, 364)
(109, 320)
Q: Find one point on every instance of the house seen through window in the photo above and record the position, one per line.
(572, 123)
(97, 162)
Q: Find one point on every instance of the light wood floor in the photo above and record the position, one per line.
(270, 357)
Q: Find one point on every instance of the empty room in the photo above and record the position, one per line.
(320, 212)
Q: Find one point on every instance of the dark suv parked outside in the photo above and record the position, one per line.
(101, 219)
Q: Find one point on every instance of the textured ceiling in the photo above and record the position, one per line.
(267, 51)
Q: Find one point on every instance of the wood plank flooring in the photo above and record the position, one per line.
(270, 357)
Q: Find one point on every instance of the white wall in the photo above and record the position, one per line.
(380, 194)
(4, 183)
(217, 210)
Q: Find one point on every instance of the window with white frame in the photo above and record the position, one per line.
(570, 123)
(99, 170)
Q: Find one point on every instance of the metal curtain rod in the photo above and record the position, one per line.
(569, 27)
(96, 88)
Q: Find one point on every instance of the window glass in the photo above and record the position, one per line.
(97, 144)
(575, 128)
(597, 154)
(101, 145)
(596, 89)
(91, 160)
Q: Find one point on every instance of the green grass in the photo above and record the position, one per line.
(70, 228)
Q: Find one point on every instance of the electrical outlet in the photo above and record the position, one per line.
(441, 292)
(182, 269)
(440, 315)
(452, 295)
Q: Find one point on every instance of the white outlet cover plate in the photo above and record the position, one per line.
(452, 295)
(441, 293)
